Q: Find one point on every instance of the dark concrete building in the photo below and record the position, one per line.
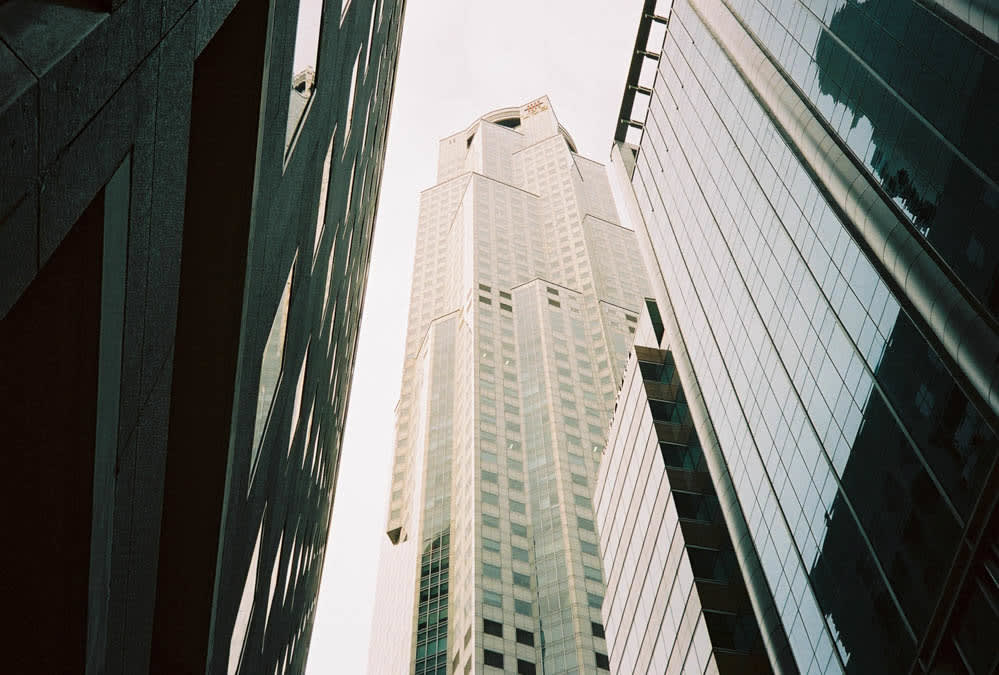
(676, 597)
(184, 238)
(816, 188)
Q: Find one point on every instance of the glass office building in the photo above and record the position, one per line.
(524, 303)
(815, 187)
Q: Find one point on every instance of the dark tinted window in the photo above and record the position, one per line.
(525, 667)
(493, 658)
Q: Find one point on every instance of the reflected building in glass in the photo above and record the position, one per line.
(814, 187)
(524, 303)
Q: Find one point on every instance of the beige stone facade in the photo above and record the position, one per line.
(525, 295)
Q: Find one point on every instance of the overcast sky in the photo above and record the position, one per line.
(459, 60)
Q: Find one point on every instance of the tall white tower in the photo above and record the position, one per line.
(525, 294)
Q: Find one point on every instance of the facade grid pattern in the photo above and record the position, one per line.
(520, 253)
(862, 450)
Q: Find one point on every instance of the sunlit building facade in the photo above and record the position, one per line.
(525, 298)
(185, 229)
(815, 196)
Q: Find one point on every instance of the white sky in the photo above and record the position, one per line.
(459, 60)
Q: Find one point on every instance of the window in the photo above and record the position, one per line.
(492, 598)
(343, 11)
(589, 547)
(520, 554)
(515, 484)
(666, 411)
(492, 628)
(525, 667)
(518, 529)
(706, 563)
(578, 480)
(349, 117)
(602, 661)
(585, 524)
(297, 407)
(492, 658)
(485, 300)
(592, 573)
(489, 477)
(656, 372)
(237, 642)
(693, 506)
(483, 287)
(504, 294)
(582, 501)
(522, 607)
(491, 521)
(552, 291)
(323, 195)
(597, 629)
(506, 307)
(554, 303)
(491, 571)
(594, 601)
(490, 545)
(517, 507)
(490, 498)
(270, 365)
(686, 457)
(525, 637)
(521, 580)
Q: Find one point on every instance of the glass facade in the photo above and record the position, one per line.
(860, 443)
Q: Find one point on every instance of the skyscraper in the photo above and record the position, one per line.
(815, 197)
(185, 230)
(525, 295)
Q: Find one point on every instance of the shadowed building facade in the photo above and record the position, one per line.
(184, 237)
(525, 296)
(676, 598)
(815, 193)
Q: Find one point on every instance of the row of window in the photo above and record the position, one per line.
(495, 659)
(524, 637)
(495, 599)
